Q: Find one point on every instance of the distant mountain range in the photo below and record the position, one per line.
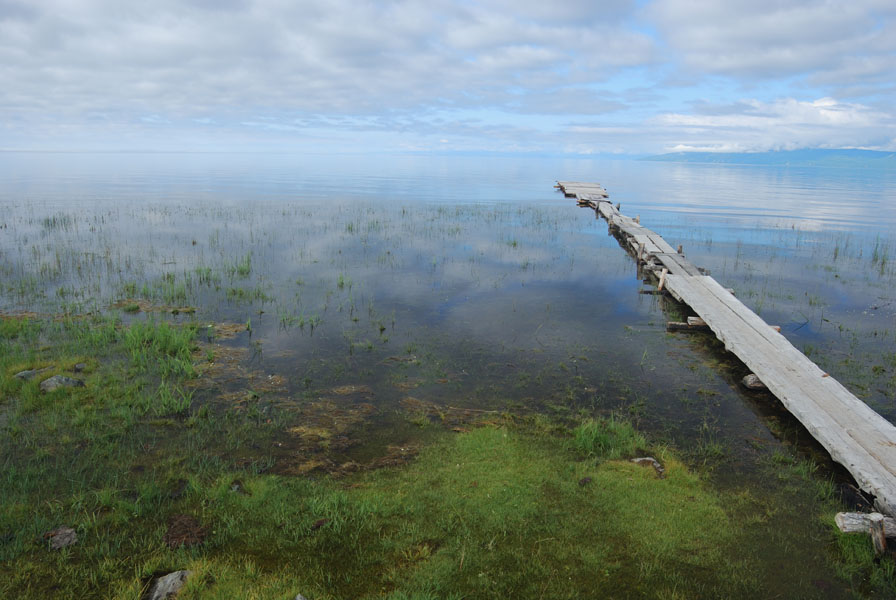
(794, 158)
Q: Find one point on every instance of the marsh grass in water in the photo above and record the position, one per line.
(503, 510)
(517, 507)
(511, 304)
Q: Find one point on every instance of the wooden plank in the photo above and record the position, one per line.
(861, 523)
(571, 185)
(660, 242)
(677, 264)
(576, 188)
(854, 435)
(649, 247)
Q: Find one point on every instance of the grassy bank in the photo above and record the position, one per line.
(154, 479)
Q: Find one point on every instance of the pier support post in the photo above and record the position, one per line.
(878, 538)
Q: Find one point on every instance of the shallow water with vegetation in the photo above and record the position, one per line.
(418, 376)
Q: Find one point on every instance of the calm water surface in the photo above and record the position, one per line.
(491, 288)
(426, 286)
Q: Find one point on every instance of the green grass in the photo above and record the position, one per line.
(169, 348)
(493, 513)
(518, 507)
(242, 268)
(243, 295)
(610, 438)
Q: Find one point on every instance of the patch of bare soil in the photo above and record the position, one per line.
(184, 530)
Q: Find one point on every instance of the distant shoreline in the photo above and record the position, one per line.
(872, 159)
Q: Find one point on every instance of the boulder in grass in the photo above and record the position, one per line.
(167, 586)
(649, 461)
(31, 373)
(60, 538)
(59, 381)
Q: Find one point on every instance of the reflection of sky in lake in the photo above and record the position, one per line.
(470, 262)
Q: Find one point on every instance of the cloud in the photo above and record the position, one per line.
(784, 124)
(763, 39)
(486, 74)
(334, 55)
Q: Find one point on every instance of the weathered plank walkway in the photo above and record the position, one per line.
(855, 436)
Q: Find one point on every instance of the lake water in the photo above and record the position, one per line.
(425, 289)
(465, 281)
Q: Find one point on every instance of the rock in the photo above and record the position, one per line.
(59, 381)
(300, 597)
(62, 537)
(751, 382)
(79, 367)
(26, 375)
(649, 461)
(166, 586)
(237, 487)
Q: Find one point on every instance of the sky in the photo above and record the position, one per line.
(536, 76)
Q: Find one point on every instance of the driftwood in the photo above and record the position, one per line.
(861, 523)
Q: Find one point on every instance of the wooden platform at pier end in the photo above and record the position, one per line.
(856, 437)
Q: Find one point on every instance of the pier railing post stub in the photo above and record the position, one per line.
(878, 537)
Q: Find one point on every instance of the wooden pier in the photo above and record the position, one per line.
(855, 436)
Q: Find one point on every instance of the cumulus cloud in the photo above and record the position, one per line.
(333, 55)
(762, 39)
(464, 74)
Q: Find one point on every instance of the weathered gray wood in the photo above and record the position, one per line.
(593, 191)
(660, 242)
(677, 264)
(854, 435)
(861, 523)
(878, 539)
(648, 246)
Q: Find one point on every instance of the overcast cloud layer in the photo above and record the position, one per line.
(504, 75)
